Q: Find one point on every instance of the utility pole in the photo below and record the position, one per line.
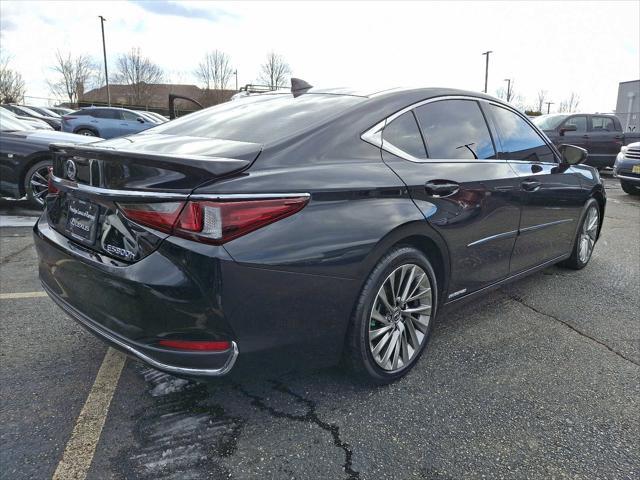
(104, 52)
(486, 70)
(549, 106)
(508, 80)
(236, 74)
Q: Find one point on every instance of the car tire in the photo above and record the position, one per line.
(630, 188)
(36, 183)
(403, 273)
(585, 237)
(86, 132)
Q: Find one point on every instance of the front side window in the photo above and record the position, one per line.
(403, 133)
(455, 129)
(602, 124)
(129, 116)
(519, 140)
(579, 121)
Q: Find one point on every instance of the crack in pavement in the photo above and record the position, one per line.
(310, 416)
(15, 254)
(521, 301)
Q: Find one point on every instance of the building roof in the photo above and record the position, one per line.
(157, 94)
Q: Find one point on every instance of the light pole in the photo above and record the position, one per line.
(104, 52)
(486, 70)
(508, 80)
(236, 74)
(549, 106)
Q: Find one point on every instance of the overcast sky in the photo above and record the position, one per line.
(561, 47)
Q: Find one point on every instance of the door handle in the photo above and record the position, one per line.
(585, 136)
(530, 185)
(441, 188)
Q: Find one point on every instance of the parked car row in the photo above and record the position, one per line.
(600, 134)
(109, 122)
(51, 118)
(24, 144)
(32, 122)
(25, 157)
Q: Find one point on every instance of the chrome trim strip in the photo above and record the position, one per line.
(249, 196)
(80, 187)
(624, 177)
(89, 324)
(374, 134)
(509, 234)
(109, 192)
(545, 225)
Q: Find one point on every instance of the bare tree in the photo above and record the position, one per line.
(275, 71)
(507, 94)
(215, 72)
(138, 73)
(570, 104)
(72, 74)
(11, 83)
(542, 96)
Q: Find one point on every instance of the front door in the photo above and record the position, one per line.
(550, 193)
(578, 137)
(467, 194)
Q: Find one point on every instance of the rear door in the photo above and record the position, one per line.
(550, 194)
(605, 140)
(106, 121)
(464, 191)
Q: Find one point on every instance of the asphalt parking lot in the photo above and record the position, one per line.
(540, 379)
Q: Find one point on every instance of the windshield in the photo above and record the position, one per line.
(45, 111)
(259, 119)
(548, 122)
(9, 123)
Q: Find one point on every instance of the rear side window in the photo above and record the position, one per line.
(455, 129)
(519, 140)
(403, 133)
(108, 114)
(602, 124)
(260, 119)
(83, 112)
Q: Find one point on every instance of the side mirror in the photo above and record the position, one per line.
(572, 155)
(140, 119)
(568, 128)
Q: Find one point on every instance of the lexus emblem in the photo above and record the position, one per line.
(70, 169)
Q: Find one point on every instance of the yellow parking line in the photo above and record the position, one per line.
(7, 296)
(81, 447)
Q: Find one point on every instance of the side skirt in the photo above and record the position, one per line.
(470, 296)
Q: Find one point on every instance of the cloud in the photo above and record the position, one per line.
(182, 10)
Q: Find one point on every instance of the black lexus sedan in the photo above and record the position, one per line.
(318, 225)
(25, 158)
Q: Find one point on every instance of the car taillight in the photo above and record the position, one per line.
(161, 216)
(51, 188)
(68, 118)
(199, 345)
(215, 222)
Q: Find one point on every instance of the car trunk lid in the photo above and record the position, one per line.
(161, 171)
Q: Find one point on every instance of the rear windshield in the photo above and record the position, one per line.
(259, 119)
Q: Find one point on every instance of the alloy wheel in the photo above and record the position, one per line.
(588, 234)
(39, 184)
(400, 317)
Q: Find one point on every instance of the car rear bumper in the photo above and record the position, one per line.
(177, 363)
(188, 290)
